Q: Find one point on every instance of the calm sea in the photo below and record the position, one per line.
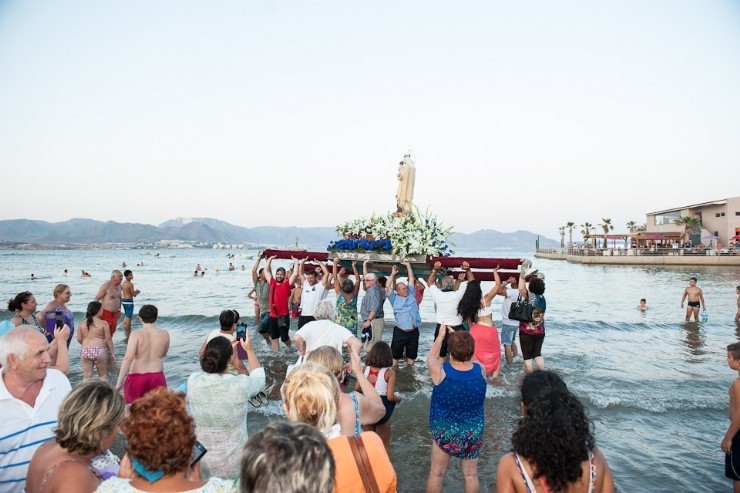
(656, 387)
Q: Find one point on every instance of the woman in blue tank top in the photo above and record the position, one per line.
(456, 415)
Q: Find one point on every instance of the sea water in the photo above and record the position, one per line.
(655, 386)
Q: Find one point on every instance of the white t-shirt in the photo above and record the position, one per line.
(447, 302)
(24, 428)
(511, 296)
(319, 333)
(216, 333)
(310, 297)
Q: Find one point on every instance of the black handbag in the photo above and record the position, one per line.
(521, 310)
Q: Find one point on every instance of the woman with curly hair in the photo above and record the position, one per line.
(532, 334)
(553, 447)
(475, 310)
(89, 420)
(161, 437)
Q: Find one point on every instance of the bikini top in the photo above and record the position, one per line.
(485, 311)
(380, 384)
(529, 484)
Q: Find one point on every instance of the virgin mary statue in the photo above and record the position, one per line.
(406, 178)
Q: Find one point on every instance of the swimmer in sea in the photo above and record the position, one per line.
(642, 306)
(696, 299)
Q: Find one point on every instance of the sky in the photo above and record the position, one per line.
(522, 115)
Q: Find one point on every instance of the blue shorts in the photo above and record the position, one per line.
(128, 307)
(508, 334)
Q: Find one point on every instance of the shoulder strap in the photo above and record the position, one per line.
(363, 464)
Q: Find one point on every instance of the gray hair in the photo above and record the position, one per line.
(448, 282)
(371, 277)
(15, 342)
(324, 311)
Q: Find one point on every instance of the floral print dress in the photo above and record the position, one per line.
(456, 415)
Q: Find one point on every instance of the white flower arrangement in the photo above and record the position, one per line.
(410, 234)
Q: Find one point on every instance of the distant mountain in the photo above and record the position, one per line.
(205, 230)
(487, 239)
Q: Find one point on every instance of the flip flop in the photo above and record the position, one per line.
(254, 401)
(262, 398)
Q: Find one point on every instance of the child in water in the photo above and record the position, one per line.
(731, 442)
(379, 372)
(643, 305)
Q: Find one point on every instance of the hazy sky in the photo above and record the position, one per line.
(522, 115)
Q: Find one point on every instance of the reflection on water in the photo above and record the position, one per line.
(694, 341)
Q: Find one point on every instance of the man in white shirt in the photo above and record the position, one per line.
(324, 332)
(446, 298)
(31, 393)
(313, 291)
(509, 328)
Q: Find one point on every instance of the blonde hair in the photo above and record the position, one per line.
(328, 357)
(59, 289)
(88, 414)
(311, 395)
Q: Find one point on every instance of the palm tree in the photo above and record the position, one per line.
(586, 231)
(570, 225)
(606, 225)
(562, 236)
(631, 225)
(690, 225)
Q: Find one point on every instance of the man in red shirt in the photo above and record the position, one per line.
(279, 296)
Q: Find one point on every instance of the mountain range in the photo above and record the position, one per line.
(206, 230)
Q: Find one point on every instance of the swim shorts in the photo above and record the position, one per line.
(694, 304)
(732, 460)
(408, 340)
(138, 384)
(128, 307)
(508, 334)
(112, 319)
(91, 353)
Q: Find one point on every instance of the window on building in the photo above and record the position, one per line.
(668, 218)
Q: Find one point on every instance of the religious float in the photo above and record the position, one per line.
(406, 235)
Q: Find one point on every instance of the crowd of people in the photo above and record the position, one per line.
(338, 435)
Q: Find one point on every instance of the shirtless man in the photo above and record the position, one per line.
(127, 301)
(696, 298)
(730, 444)
(109, 294)
(142, 367)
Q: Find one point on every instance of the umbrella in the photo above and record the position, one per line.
(710, 237)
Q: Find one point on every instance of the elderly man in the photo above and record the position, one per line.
(110, 294)
(446, 298)
(406, 312)
(31, 393)
(314, 291)
(279, 310)
(324, 332)
(371, 310)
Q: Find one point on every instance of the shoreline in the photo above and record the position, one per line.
(607, 259)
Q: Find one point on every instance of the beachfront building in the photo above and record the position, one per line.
(719, 222)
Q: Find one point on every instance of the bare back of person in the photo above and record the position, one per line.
(149, 345)
(93, 336)
(602, 484)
